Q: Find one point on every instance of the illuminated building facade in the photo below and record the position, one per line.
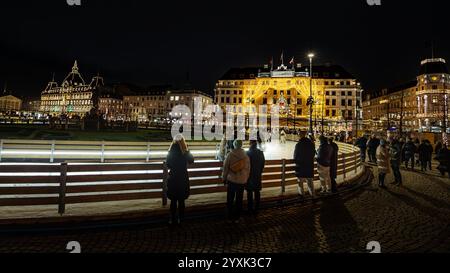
(337, 94)
(156, 104)
(73, 98)
(420, 105)
(10, 103)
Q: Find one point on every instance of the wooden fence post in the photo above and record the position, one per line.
(147, 159)
(62, 189)
(52, 152)
(102, 158)
(164, 184)
(283, 177)
(343, 163)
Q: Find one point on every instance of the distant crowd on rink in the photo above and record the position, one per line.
(390, 153)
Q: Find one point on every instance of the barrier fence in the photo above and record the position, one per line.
(65, 183)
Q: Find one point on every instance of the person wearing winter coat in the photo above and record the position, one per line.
(334, 165)
(254, 183)
(372, 146)
(304, 154)
(236, 171)
(283, 137)
(324, 155)
(395, 152)
(409, 151)
(438, 147)
(383, 161)
(444, 160)
(361, 143)
(178, 188)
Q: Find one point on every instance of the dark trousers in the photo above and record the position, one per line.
(395, 166)
(423, 165)
(177, 204)
(235, 195)
(407, 160)
(381, 177)
(253, 200)
(363, 154)
(333, 185)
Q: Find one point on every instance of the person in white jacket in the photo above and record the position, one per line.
(236, 170)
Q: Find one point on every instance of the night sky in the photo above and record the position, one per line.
(144, 42)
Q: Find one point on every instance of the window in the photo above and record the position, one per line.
(222, 100)
(342, 102)
(327, 113)
(343, 93)
(299, 111)
(350, 103)
(274, 92)
(333, 102)
(264, 101)
(228, 99)
(333, 113)
(327, 93)
(299, 101)
(350, 93)
(240, 100)
(333, 93)
(327, 102)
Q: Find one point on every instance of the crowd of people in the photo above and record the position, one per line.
(242, 170)
(389, 154)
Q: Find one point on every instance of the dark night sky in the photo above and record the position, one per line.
(148, 43)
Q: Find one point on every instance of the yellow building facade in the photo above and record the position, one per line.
(336, 93)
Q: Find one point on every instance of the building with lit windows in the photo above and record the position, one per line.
(336, 93)
(74, 97)
(10, 103)
(156, 103)
(420, 105)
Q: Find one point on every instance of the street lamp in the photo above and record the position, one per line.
(310, 99)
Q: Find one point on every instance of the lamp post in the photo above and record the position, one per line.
(310, 99)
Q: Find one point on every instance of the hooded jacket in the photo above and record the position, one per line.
(240, 177)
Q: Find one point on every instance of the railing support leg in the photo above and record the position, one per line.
(102, 158)
(62, 189)
(164, 184)
(148, 152)
(52, 152)
(283, 177)
(345, 169)
(1, 149)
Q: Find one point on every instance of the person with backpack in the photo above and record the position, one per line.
(254, 183)
(409, 151)
(236, 171)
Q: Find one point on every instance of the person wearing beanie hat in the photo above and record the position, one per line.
(236, 171)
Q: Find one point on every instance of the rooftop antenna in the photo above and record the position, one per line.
(5, 87)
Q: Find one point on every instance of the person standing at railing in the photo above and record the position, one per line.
(383, 161)
(236, 171)
(324, 155)
(178, 188)
(304, 163)
(395, 152)
(334, 165)
(254, 183)
(361, 143)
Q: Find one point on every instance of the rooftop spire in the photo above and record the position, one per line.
(75, 67)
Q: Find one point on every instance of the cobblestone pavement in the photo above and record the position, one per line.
(413, 218)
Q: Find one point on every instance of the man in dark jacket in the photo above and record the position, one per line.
(254, 184)
(304, 163)
(444, 160)
(334, 165)
(409, 151)
(361, 143)
(324, 155)
(372, 146)
(395, 152)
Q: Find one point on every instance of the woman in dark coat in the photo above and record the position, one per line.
(334, 165)
(304, 154)
(178, 187)
(254, 184)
